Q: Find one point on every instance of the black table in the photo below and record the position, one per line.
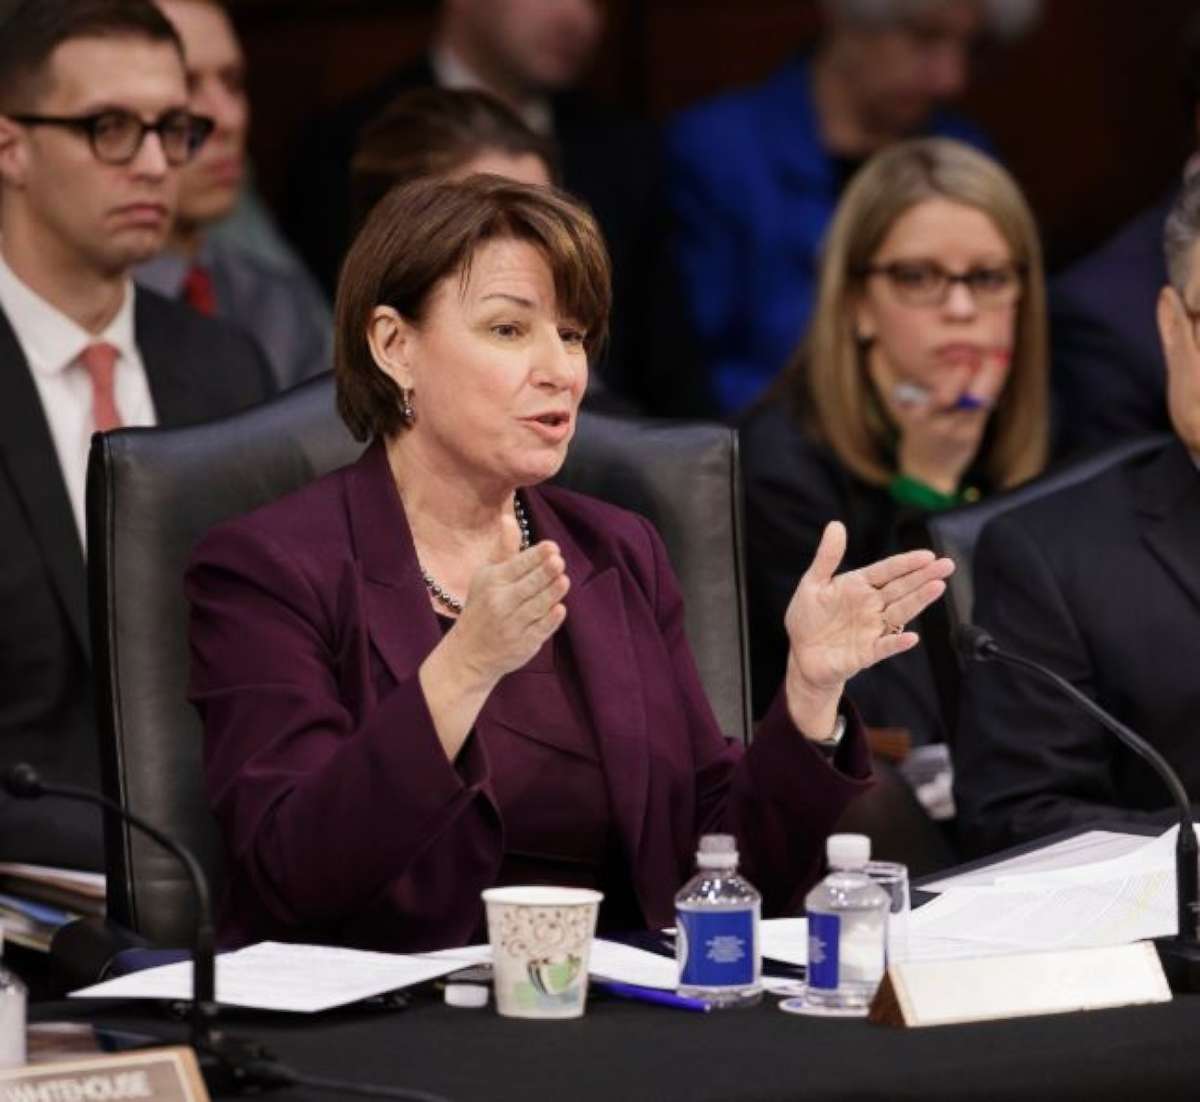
(628, 1052)
(631, 1052)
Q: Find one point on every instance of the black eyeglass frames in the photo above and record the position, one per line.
(116, 136)
(927, 283)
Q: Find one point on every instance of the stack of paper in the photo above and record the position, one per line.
(35, 900)
(1106, 900)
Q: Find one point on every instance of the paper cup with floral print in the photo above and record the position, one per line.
(541, 941)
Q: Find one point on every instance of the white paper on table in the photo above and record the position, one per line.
(613, 961)
(276, 976)
(1090, 847)
(1050, 915)
(785, 939)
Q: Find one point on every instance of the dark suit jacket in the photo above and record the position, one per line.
(794, 487)
(612, 162)
(197, 369)
(344, 820)
(1109, 375)
(1100, 582)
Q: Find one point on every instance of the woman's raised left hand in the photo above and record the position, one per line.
(839, 624)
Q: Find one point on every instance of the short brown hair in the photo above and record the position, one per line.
(430, 229)
(827, 380)
(435, 132)
(31, 30)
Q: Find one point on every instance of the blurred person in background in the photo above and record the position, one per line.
(277, 303)
(455, 134)
(447, 133)
(1109, 373)
(921, 384)
(532, 54)
(755, 175)
(95, 129)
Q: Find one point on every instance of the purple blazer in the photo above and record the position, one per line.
(344, 821)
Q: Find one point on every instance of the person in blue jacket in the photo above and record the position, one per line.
(755, 175)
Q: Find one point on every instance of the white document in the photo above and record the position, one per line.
(277, 976)
(1090, 847)
(613, 961)
(308, 978)
(1050, 915)
(785, 939)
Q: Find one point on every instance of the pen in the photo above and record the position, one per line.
(652, 995)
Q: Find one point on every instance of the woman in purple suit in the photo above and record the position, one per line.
(428, 673)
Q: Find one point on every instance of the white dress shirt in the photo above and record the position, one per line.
(52, 343)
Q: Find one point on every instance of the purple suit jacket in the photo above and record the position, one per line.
(343, 819)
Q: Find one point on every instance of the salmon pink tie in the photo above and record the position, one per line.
(100, 360)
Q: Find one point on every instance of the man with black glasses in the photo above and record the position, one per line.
(94, 128)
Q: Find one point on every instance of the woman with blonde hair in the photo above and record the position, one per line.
(921, 384)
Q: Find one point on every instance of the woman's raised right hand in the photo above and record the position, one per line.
(512, 608)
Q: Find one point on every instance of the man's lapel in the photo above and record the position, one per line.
(1167, 493)
(172, 373)
(28, 456)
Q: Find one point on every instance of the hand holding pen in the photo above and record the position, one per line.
(941, 426)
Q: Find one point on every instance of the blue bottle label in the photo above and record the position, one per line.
(824, 933)
(718, 948)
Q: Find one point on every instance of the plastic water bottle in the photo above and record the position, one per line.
(13, 998)
(847, 926)
(716, 929)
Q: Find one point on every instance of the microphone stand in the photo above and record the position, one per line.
(1180, 955)
(229, 1064)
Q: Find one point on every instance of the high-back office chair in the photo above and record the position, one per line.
(153, 492)
(955, 534)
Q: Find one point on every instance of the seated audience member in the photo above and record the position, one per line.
(94, 129)
(921, 384)
(531, 56)
(1108, 362)
(460, 677)
(754, 175)
(1100, 582)
(454, 134)
(278, 304)
(446, 133)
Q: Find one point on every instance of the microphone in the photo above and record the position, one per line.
(1180, 955)
(22, 782)
(228, 1063)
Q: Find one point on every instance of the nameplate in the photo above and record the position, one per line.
(152, 1075)
(943, 992)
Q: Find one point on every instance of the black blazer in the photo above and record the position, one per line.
(613, 162)
(197, 369)
(794, 487)
(1100, 582)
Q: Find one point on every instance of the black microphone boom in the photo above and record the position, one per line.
(1180, 955)
(228, 1063)
(22, 782)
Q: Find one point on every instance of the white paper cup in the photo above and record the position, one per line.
(541, 943)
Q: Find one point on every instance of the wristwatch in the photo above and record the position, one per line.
(829, 745)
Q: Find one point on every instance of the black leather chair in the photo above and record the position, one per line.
(955, 534)
(153, 492)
